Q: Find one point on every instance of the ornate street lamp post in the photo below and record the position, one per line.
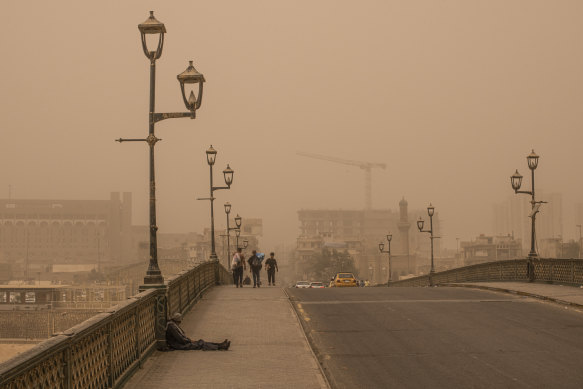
(211, 155)
(381, 249)
(152, 27)
(420, 222)
(237, 224)
(245, 241)
(516, 182)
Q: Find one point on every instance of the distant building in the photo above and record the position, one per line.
(196, 247)
(36, 235)
(512, 217)
(490, 248)
(359, 233)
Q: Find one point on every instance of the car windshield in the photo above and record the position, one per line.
(317, 283)
(345, 275)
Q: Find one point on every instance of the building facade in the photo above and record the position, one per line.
(36, 235)
(360, 232)
(512, 217)
(490, 248)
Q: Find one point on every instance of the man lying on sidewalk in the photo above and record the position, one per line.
(177, 339)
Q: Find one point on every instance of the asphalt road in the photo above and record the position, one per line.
(440, 338)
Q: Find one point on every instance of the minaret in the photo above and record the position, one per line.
(403, 225)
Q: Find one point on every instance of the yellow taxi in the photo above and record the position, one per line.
(343, 279)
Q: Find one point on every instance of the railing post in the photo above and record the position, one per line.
(161, 317)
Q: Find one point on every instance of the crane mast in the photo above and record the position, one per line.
(366, 166)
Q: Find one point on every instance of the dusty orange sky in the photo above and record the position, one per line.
(451, 95)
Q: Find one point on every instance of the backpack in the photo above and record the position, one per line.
(236, 262)
(256, 262)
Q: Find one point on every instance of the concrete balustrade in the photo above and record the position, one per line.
(563, 271)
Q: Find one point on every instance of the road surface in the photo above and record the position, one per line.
(441, 338)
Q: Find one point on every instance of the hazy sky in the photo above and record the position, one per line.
(451, 95)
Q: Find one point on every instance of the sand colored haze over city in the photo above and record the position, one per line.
(451, 95)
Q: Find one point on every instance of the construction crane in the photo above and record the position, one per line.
(366, 166)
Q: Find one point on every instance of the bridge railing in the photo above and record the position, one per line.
(103, 351)
(564, 271)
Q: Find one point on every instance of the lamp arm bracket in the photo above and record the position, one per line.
(156, 117)
(131, 140)
(205, 198)
(523, 191)
(220, 187)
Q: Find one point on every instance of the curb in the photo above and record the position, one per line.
(517, 292)
(308, 340)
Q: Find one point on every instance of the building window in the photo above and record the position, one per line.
(15, 298)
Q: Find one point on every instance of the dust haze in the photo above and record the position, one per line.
(450, 95)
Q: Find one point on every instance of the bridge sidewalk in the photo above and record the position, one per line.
(268, 346)
(568, 295)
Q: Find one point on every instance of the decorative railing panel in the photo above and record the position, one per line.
(564, 271)
(123, 343)
(89, 362)
(103, 351)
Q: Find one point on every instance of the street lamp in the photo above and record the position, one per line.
(420, 223)
(381, 249)
(237, 224)
(516, 182)
(245, 241)
(156, 29)
(211, 155)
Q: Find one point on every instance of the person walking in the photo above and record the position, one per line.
(237, 266)
(255, 267)
(271, 267)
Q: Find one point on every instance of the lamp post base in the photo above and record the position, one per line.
(530, 266)
(154, 279)
(215, 259)
(160, 311)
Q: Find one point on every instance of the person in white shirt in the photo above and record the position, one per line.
(238, 266)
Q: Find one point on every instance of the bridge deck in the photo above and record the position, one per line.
(268, 346)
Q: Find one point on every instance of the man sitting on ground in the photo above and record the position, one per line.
(177, 339)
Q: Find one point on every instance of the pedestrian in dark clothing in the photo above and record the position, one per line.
(176, 338)
(271, 266)
(237, 266)
(255, 267)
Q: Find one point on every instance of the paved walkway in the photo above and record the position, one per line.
(569, 295)
(268, 346)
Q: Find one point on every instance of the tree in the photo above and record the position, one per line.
(325, 264)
